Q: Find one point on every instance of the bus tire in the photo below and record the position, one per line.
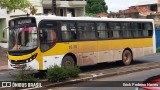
(127, 57)
(68, 61)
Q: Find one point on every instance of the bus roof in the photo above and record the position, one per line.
(52, 17)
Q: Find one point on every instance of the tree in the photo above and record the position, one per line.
(33, 10)
(15, 4)
(96, 6)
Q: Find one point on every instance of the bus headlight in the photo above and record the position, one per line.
(27, 61)
(31, 58)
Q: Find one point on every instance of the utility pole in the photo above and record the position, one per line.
(53, 7)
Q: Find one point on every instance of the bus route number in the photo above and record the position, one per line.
(72, 46)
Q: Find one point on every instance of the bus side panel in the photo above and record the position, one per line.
(107, 52)
(142, 47)
(88, 50)
(55, 55)
(111, 50)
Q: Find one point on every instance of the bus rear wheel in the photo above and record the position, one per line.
(68, 61)
(127, 57)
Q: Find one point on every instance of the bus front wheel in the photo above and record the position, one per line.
(127, 57)
(68, 61)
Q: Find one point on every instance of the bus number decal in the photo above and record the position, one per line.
(72, 46)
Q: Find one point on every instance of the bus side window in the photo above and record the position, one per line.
(126, 30)
(73, 35)
(86, 31)
(102, 30)
(140, 29)
(115, 29)
(135, 29)
(68, 31)
(148, 30)
(65, 33)
(48, 38)
(73, 30)
(47, 34)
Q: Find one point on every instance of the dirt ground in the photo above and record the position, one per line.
(3, 56)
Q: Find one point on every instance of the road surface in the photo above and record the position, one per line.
(95, 84)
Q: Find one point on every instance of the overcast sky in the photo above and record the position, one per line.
(116, 5)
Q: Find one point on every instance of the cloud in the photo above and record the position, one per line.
(116, 5)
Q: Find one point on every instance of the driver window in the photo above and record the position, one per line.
(48, 36)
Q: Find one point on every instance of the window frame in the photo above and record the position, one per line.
(60, 31)
(95, 30)
(148, 29)
(126, 29)
(142, 29)
(107, 30)
(57, 33)
(110, 32)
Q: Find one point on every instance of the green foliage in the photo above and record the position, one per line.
(56, 74)
(15, 4)
(73, 71)
(90, 14)
(33, 10)
(158, 49)
(96, 6)
(25, 75)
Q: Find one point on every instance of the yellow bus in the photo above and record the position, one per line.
(43, 41)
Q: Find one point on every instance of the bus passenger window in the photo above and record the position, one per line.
(86, 31)
(68, 31)
(66, 36)
(72, 28)
(65, 33)
(116, 34)
(126, 30)
(73, 35)
(140, 29)
(115, 27)
(147, 32)
(135, 29)
(102, 30)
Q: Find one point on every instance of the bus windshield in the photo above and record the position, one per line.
(22, 38)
